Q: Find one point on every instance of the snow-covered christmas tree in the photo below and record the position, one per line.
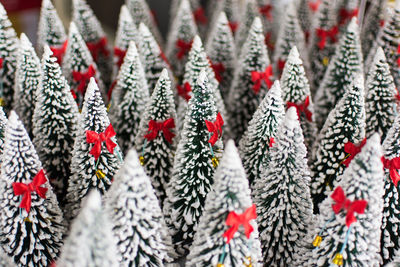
(249, 12)
(231, 9)
(31, 222)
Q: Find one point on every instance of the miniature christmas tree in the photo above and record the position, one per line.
(215, 242)
(54, 135)
(350, 220)
(323, 37)
(180, 38)
(94, 37)
(345, 65)
(250, 11)
(152, 57)
(51, 31)
(282, 225)
(5, 260)
(93, 164)
(129, 99)
(142, 236)
(259, 136)
(3, 123)
(27, 81)
(290, 34)
(31, 222)
(296, 93)
(155, 139)
(222, 54)
(347, 11)
(126, 33)
(390, 242)
(253, 78)
(381, 97)
(305, 14)
(78, 65)
(345, 125)
(195, 161)
(8, 60)
(90, 241)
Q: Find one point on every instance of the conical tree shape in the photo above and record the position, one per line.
(305, 15)
(9, 44)
(193, 172)
(245, 94)
(250, 11)
(94, 160)
(344, 66)
(27, 82)
(140, 230)
(5, 260)
(346, 123)
(259, 137)
(126, 32)
(321, 49)
(90, 241)
(78, 65)
(180, 38)
(390, 241)
(3, 123)
(290, 34)
(152, 57)
(54, 135)
(31, 235)
(362, 180)
(381, 97)
(296, 92)
(222, 54)
(51, 30)
(93, 35)
(282, 225)
(129, 99)
(230, 192)
(157, 147)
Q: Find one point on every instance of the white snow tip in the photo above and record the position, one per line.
(144, 29)
(47, 53)
(47, 4)
(93, 200)
(231, 153)
(13, 118)
(397, 5)
(132, 157)
(73, 28)
(25, 40)
(132, 48)
(257, 24)
(222, 18)
(379, 55)
(125, 12)
(294, 56)
(202, 77)
(358, 80)
(197, 43)
(353, 25)
(164, 74)
(184, 6)
(291, 115)
(374, 139)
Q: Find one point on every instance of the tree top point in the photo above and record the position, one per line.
(291, 117)
(47, 53)
(353, 25)
(197, 43)
(379, 55)
(25, 41)
(93, 200)
(222, 18)
(257, 24)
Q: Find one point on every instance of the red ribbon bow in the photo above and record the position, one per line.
(258, 77)
(83, 78)
(155, 127)
(183, 48)
(118, 52)
(98, 139)
(302, 108)
(184, 90)
(393, 165)
(347, 14)
(314, 5)
(281, 64)
(352, 150)
(398, 55)
(218, 68)
(1, 62)
(268, 41)
(271, 141)
(26, 189)
(235, 220)
(98, 47)
(200, 16)
(233, 25)
(59, 52)
(215, 128)
(266, 11)
(342, 203)
(324, 34)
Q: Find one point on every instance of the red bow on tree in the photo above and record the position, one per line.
(314, 5)
(268, 41)
(266, 11)
(26, 189)
(1, 62)
(200, 16)
(73, 94)
(271, 141)
(347, 14)
(233, 25)
(258, 77)
(352, 151)
(98, 47)
(398, 55)
(393, 165)
(218, 68)
(281, 64)
(183, 48)
(302, 108)
(342, 203)
(155, 127)
(215, 128)
(324, 34)
(184, 90)
(235, 220)
(382, 23)
(83, 78)
(98, 139)
(59, 52)
(120, 54)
